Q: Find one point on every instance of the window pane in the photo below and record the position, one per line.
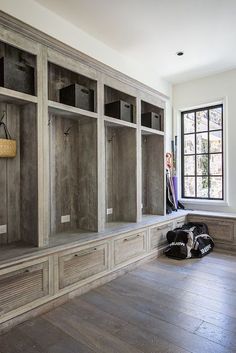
(202, 187)
(189, 123)
(189, 144)
(216, 186)
(215, 118)
(202, 120)
(189, 187)
(189, 165)
(202, 142)
(215, 164)
(216, 141)
(202, 165)
(202, 155)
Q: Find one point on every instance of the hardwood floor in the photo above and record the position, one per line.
(164, 306)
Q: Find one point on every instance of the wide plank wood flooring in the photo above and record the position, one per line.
(164, 306)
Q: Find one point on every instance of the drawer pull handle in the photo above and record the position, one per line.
(85, 252)
(132, 238)
(165, 227)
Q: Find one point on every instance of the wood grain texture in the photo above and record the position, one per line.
(18, 176)
(82, 264)
(121, 174)
(153, 174)
(73, 158)
(222, 231)
(29, 175)
(23, 286)
(155, 308)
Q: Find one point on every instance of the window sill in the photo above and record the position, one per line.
(205, 202)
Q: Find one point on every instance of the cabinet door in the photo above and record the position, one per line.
(23, 286)
(82, 264)
(158, 235)
(129, 246)
(220, 229)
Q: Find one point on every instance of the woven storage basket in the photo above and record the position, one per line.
(7, 145)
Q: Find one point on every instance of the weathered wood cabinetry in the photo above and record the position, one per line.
(76, 170)
(75, 187)
(22, 285)
(222, 230)
(81, 264)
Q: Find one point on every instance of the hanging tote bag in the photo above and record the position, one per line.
(7, 145)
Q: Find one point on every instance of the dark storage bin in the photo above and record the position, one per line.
(120, 110)
(16, 76)
(78, 96)
(152, 120)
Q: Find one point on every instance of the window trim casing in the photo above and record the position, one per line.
(204, 200)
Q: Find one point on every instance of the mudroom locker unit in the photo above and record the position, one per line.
(83, 200)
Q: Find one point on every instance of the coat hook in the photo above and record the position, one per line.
(111, 138)
(3, 115)
(67, 132)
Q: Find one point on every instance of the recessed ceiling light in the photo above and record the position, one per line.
(180, 53)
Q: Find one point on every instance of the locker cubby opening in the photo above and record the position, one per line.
(60, 77)
(18, 69)
(148, 108)
(112, 95)
(73, 174)
(120, 153)
(19, 177)
(153, 174)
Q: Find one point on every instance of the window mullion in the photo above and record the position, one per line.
(208, 145)
(195, 141)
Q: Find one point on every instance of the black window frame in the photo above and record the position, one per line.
(208, 108)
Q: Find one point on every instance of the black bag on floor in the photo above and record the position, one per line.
(191, 240)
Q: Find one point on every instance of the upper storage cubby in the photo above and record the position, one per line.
(120, 151)
(73, 159)
(71, 88)
(119, 105)
(153, 186)
(19, 175)
(17, 70)
(152, 116)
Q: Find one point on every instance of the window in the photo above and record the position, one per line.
(202, 153)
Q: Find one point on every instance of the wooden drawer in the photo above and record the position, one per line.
(221, 229)
(81, 264)
(158, 235)
(129, 246)
(180, 222)
(23, 286)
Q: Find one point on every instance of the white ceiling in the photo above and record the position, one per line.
(152, 31)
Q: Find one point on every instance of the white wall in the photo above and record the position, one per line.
(220, 87)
